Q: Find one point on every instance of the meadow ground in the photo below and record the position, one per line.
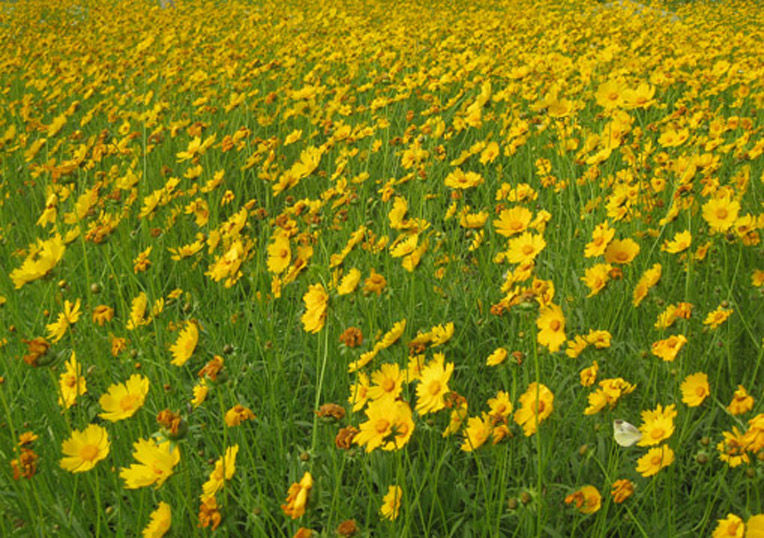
(381, 269)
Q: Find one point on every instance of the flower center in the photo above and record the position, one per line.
(388, 385)
(555, 325)
(721, 213)
(528, 250)
(89, 452)
(434, 387)
(128, 402)
(658, 433)
(382, 426)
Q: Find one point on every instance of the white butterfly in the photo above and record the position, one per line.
(625, 434)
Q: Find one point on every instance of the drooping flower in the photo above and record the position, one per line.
(680, 243)
(102, 314)
(43, 257)
(601, 237)
(71, 382)
(391, 503)
(225, 467)
(477, 432)
(156, 461)
(498, 356)
(238, 414)
(359, 392)
(741, 402)
(349, 282)
(668, 348)
(161, 520)
(297, 496)
(316, 300)
(596, 277)
(84, 449)
(648, 279)
(185, 345)
(66, 319)
(732, 449)
(587, 499)
(122, 400)
(622, 490)
(717, 317)
(375, 283)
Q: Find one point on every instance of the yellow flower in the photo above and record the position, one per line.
(460, 180)
(596, 277)
(656, 459)
(297, 496)
(587, 499)
(66, 319)
(680, 243)
(225, 467)
(668, 348)
(601, 237)
(71, 383)
(389, 426)
(142, 262)
(512, 221)
(200, 393)
(433, 385)
(161, 519)
(138, 312)
(741, 402)
(755, 526)
(391, 503)
(695, 389)
(316, 300)
(102, 314)
(622, 490)
(729, 527)
(498, 356)
(122, 400)
(649, 279)
(185, 345)
(349, 282)
(84, 449)
(610, 94)
(359, 392)
(375, 283)
(717, 317)
(536, 404)
(156, 461)
(551, 325)
(589, 375)
(657, 425)
(476, 433)
(524, 248)
(621, 251)
(42, 259)
(500, 406)
(238, 414)
(732, 449)
(720, 213)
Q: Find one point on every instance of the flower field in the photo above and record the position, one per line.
(371, 269)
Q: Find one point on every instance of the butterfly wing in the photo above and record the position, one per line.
(625, 434)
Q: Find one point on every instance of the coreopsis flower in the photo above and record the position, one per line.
(156, 462)
(610, 94)
(695, 389)
(122, 400)
(601, 237)
(657, 425)
(185, 345)
(297, 496)
(102, 314)
(279, 253)
(391, 503)
(331, 411)
(138, 312)
(25, 466)
(536, 404)
(551, 325)
(500, 405)
(161, 520)
(213, 370)
(303, 532)
(672, 138)
(681, 242)
(389, 425)
(352, 337)
(641, 97)
(720, 213)
(648, 279)
(596, 277)
(142, 261)
(37, 348)
(621, 251)
(656, 459)
(238, 414)
(71, 383)
(609, 393)
(513, 221)
(172, 424)
(668, 348)
(757, 278)
(433, 385)
(227, 266)
(588, 375)
(42, 259)
(347, 528)
(349, 282)
(717, 317)
(66, 319)
(741, 402)
(732, 449)
(755, 526)
(498, 356)
(199, 391)
(209, 515)
(118, 345)
(386, 382)
(83, 449)
(622, 490)
(316, 300)
(225, 467)
(375, 283)
(524, 248)
(730, 527)
(344, 438)
(599, 338)
(359, 392)
(753, 438)
(587, 500)
(461, 180)
(458, 415)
